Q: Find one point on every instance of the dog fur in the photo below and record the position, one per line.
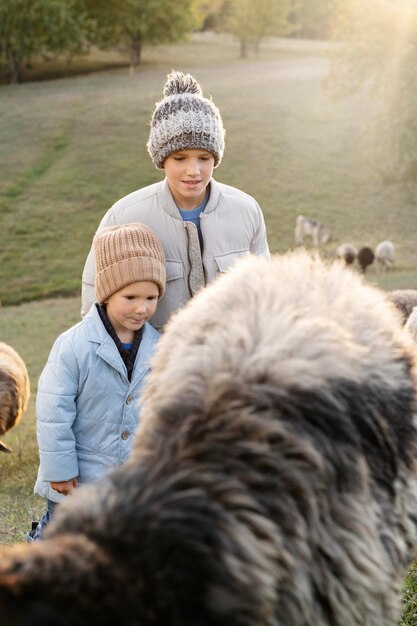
(272, 480)
(14, 390)
(405, 300)
(411, 324)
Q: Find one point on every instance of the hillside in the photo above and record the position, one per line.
(71, 147)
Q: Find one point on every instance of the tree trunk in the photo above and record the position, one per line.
(243, 49)
(13, 64)
(135, 53)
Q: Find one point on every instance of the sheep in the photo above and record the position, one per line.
(347, 252)
(365, 258)
(405, 300)
(307, 227)
(272, 480)
(14, 390)
(384, 256)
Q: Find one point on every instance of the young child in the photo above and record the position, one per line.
(87, 404)
(203, 225)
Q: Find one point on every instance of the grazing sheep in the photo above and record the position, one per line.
(384, 255)
(365, 258)
(14, 390)
(272, 480)
(405, 300)
(306, 227)
(347, 252)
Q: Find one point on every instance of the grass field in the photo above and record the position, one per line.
(31, 329)
(71, 147)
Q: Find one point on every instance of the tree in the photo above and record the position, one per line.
(133, 23)
(31, 27)
(252, 21)
(380, 51)
(314, 18)
(211, 12)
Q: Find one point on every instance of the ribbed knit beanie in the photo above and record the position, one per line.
(184, 119)
(127, 254)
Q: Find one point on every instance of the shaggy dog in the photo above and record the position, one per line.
(14, 390)
(273, 478)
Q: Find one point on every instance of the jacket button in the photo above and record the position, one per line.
(125, 434)
(129, 399)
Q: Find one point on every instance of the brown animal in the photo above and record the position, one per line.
(365, 258)
(14, 390)
(273, 477)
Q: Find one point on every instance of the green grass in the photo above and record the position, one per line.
(409, 616)
(31, 329)
(70, 147)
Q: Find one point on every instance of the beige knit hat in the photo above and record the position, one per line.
(184, 119)
(127, 254)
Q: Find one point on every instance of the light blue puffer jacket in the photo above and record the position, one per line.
(87, 410)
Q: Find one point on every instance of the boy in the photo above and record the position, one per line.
(203, 225)
(88, 393)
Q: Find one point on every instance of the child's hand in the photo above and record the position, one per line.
(65, 487)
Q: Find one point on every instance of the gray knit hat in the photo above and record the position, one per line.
(184, 119)
(127, 254)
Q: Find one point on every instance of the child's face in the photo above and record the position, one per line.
(129, 308)
(188, 173)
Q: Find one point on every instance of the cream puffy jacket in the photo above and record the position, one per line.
(232, 225)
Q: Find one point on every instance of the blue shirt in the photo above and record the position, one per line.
(194, 217)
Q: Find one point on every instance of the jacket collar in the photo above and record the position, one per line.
(167, 201)
(108, 351)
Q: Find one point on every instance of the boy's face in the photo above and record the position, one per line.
(188, 173)
(129, 308)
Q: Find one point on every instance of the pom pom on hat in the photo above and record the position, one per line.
(184, 119)
(181, 83)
